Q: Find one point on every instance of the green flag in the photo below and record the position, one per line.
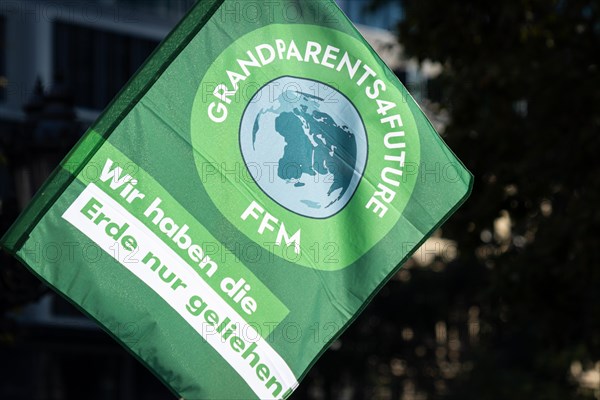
(243, 198)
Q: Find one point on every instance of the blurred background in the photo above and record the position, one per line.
(502, 303)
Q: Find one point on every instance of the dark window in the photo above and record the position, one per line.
(435, 90)
(3, 79)
(95, 63)
(401, 74)
(384, 16)
(62, 308)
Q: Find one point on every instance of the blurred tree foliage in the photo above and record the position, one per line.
(517, 314)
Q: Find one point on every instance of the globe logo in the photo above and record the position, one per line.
(305, 145)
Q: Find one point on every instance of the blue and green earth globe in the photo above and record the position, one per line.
(305, 145)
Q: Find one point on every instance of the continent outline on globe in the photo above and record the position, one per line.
(320, 165)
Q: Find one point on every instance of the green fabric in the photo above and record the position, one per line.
(243, 198)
